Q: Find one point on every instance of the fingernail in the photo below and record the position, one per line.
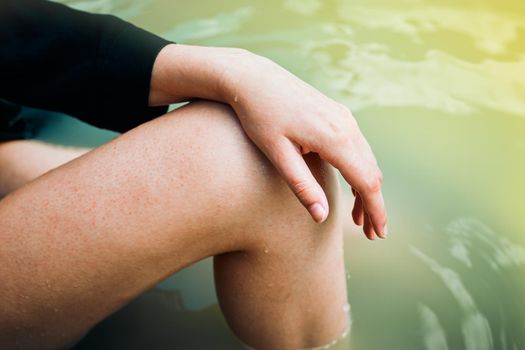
(385, 231)
(318, 212)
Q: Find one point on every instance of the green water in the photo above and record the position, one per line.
(438, 88)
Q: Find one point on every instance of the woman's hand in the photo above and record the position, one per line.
(285, 117)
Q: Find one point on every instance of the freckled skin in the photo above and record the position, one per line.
(83, 239)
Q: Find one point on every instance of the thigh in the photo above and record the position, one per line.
(83, 239)
(86, 237)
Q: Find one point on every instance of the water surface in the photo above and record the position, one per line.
(438, 88)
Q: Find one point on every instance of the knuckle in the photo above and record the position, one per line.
(302, 189)
(380, 176)
(340, 137)
(337, 136)
(338, 130)
(373, 183)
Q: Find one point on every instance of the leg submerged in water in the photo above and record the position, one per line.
(84, 239)
(289, 282)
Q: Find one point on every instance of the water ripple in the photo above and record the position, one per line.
(475, 327)
(498, 251)
(218, 24)
(433, 334)
(122, 8)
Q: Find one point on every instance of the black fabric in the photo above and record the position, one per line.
(12, 126)
(94, 67)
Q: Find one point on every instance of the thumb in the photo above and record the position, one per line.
(288, 160)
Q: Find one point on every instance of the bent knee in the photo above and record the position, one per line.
(267, 207)
(241, 184)
(286, 228)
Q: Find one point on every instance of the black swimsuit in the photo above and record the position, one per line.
(12, 126)
(94, 67)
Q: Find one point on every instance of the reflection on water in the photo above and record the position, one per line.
(124, 8)
(497, 250)
(475, 327)
(433, 334)
(219, 24)
(438, 88)
(469, 237)
(308, 7)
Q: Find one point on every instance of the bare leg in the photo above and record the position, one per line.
(24, 160)
(82, 240)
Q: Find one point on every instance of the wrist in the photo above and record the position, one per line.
(182, 72)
